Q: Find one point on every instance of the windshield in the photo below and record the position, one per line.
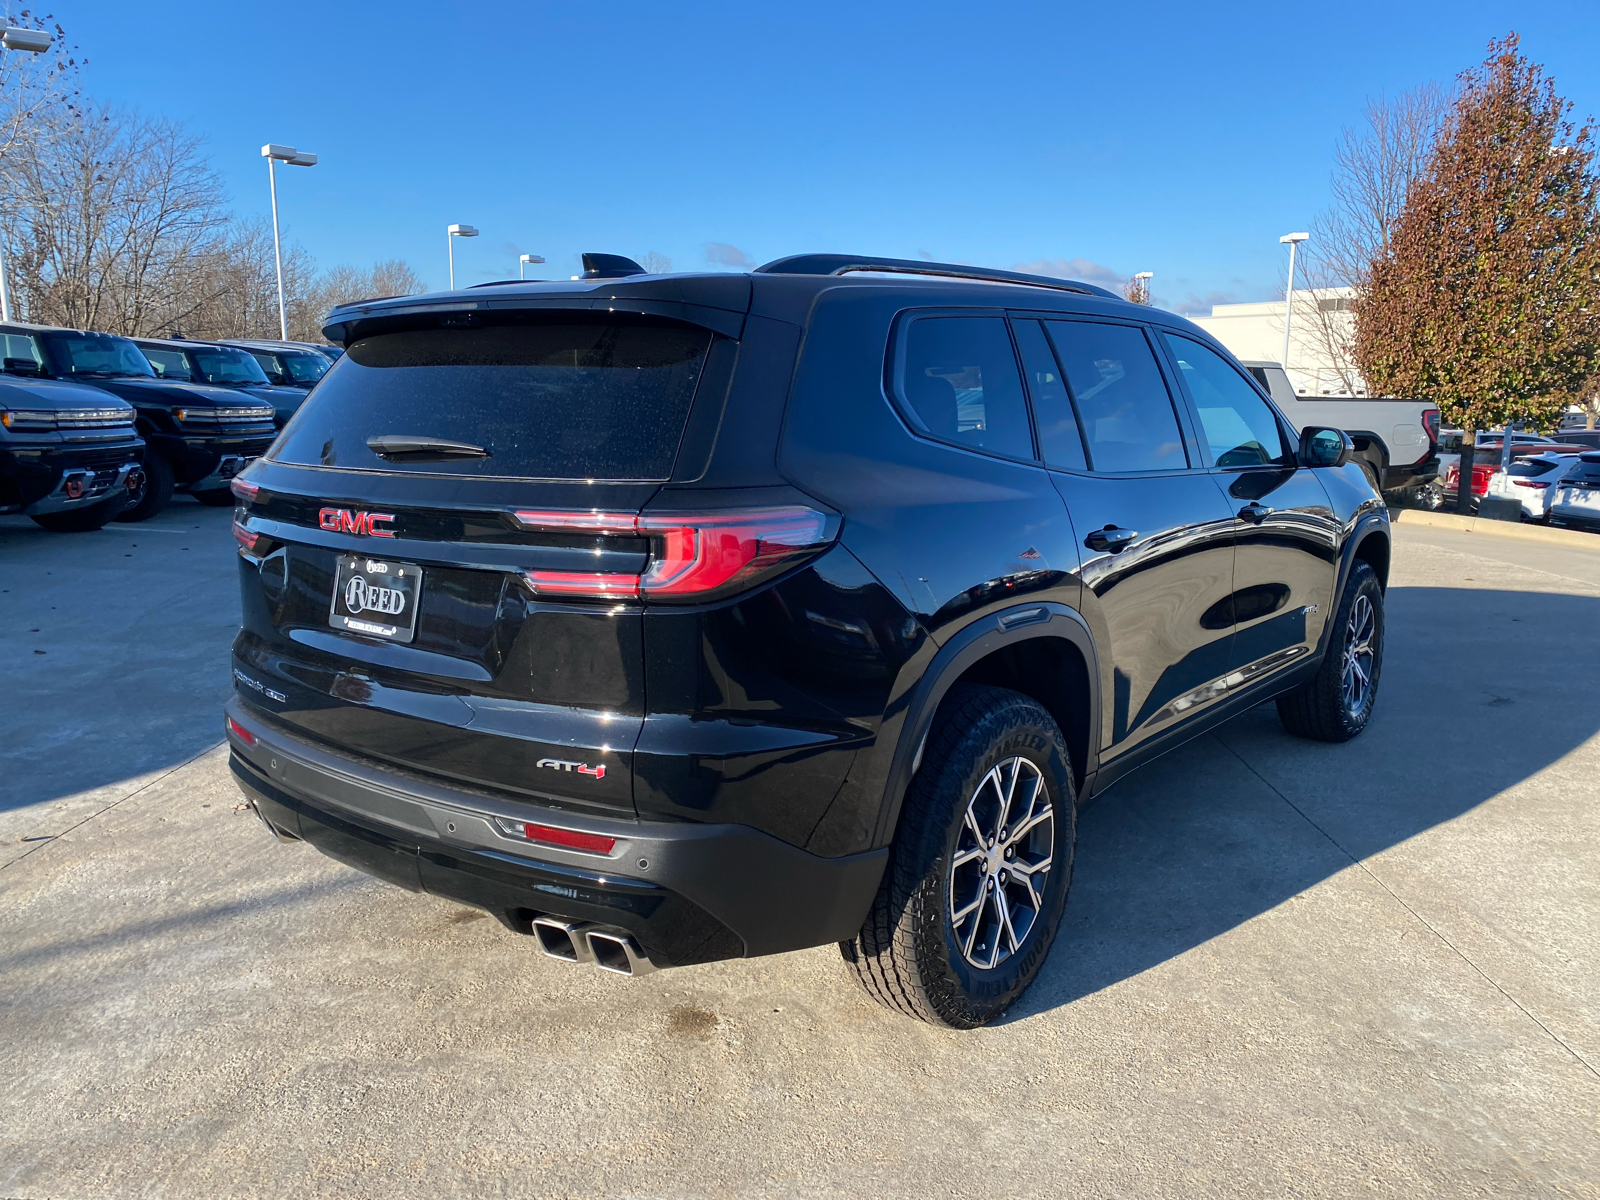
(97, 356)
(304, 368)
(228, 367)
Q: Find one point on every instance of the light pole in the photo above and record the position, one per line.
(34, 41)
(1293, 240)
(275, 154)
(450, 237)
(525, 260)
(1144, 277)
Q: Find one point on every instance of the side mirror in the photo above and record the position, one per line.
(22, 366)
(1321, 446)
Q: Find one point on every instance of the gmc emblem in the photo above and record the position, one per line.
(362, 524)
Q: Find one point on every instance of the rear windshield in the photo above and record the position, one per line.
(1585, 471)
(579, 400)
(1527, 469)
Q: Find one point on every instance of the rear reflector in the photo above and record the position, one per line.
(240, 732)
(572, 839)
(693, 556)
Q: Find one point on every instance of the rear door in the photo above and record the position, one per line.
(1286, 535)
(1155, 533)
(391, 550)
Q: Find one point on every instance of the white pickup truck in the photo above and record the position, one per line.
(1397, 441)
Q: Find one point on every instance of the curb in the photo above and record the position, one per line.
(1512, 529)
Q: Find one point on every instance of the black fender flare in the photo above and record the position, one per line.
(971, 644)
(1372, 522)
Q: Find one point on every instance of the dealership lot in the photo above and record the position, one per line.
(1287, 968)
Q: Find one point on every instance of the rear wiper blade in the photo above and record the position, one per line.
(401, 447)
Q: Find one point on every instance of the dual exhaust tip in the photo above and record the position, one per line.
(586, 942)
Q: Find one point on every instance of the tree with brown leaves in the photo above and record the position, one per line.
(1486, 297)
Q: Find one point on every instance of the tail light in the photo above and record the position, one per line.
(246, 539)
(240, 732)
(1430, 423)
(245, 491)
(1533, 483)
(573, 839)
(693, 556)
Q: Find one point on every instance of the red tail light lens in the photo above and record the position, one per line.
(247, 540)
(572, 839)
(1533, 483)
(693, 556)
(245, 491)
(1430, 423)
(240, 732)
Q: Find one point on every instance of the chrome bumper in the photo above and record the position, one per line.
(82, 488)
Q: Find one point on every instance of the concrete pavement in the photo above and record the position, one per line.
(1287, 968)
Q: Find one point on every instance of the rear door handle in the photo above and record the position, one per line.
(1110, 538)
(1254, 513)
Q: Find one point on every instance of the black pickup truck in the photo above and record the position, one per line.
(69, 454)
(188, 361)
(197, 437)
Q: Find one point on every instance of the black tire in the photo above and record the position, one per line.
(158, 485)
(216, 497)
(911, 954)
(1320, 708)
(80, 520)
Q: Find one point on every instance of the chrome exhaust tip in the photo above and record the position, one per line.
(270, 827)
(619, 953)
(565, 940)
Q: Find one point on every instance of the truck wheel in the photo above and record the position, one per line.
(979, 870)
(79, 520)
(216, 497)
(158, 485)
(1336, 703)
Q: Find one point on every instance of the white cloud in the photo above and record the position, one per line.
(1083, 269)
(724, 255)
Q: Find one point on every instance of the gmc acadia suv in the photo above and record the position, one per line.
(690, 617)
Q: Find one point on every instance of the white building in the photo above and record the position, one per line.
(1320, 362)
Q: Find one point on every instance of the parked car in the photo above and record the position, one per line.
(221, 366)
(1396, 441)
(1575, 499)
(698, 617)
(287, 364)
(197, 437)
(69, 454)
(1589, 438)
(1529, 480)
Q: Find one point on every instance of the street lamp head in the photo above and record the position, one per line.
(281, 153)
(15, 37)
(533, 258)
(1293, 238)
(463, 231)
(1144, 275)
(303, 160)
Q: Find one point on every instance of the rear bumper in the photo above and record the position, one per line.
(687, 892)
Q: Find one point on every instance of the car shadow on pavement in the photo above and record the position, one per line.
(1239, 821)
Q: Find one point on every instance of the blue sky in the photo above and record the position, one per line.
(1175, 138)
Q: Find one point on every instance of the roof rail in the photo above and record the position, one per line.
(844, 264)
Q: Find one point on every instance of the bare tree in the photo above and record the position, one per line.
(656, 263)
(1136, 290)
(344, 284)
(1374, 168)
(35, 86)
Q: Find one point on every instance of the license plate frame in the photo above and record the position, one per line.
(370, 609)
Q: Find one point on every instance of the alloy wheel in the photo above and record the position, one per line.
(1359, 656)
(998, 874)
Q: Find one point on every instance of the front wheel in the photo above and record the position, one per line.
(157, 494)
(1336, 703)
(979, 871)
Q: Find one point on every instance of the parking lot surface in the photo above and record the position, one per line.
(1287, 968)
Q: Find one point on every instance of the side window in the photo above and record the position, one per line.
(23, 348)
(1127, 416)
(1240, 427)
(959, 378)
(1060, 442)
(168, 364)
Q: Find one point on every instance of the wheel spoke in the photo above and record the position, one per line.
(1004, 907)
(963, 914)
(990, 924)
(963, 858)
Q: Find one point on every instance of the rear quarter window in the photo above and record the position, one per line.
(958, 382)
(554, 400)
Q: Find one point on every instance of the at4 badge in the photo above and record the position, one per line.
(557, 764)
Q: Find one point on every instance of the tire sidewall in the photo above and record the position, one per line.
(966, 995)
(1363, 581)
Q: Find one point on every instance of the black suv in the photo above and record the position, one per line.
(197, 437)
(682, 618)
(186, 361)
